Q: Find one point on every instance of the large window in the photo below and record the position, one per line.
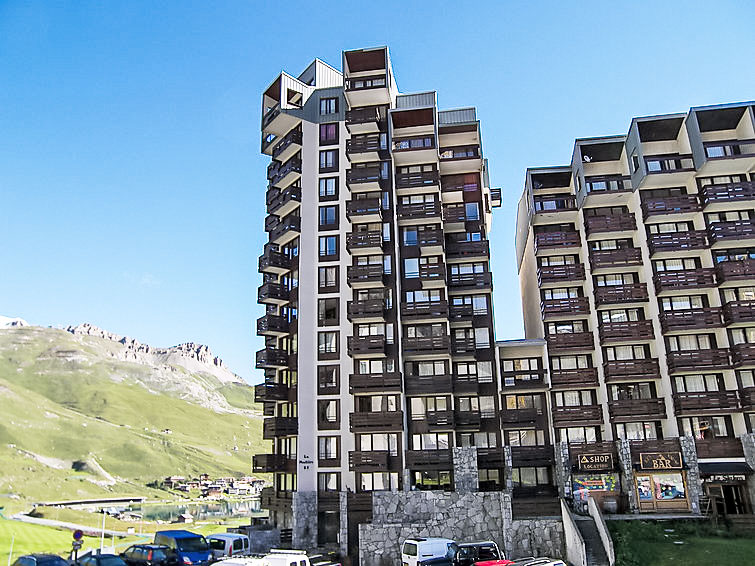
(639, 431)
(578, 434)
(706, 428)
(378, 442)
(328, 160)
(329, 481)
(329, 217)
(327, 312)
(378, 481)
(328, 187)
(327, 279)
(525, 437)
(328, 106)
(328, 246)
(432, 479)
(327, 342)
(530, 477)
(328, 447)
(328, 134)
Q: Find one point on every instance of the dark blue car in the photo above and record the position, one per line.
(192, 549)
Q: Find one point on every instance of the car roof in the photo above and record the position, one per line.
(178, 534)
(477, 542)
(151, 545)
(227, 535)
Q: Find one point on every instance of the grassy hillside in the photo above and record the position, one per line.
(64, 402)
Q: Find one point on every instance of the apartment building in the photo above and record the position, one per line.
(379, 351)
(637, 272)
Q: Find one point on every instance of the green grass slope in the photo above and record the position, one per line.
(64, 401)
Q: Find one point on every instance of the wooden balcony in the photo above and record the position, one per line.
(556, 241)
(461, 312)
(705, 402)
(366, 345)
(690, 319)
(691, 360)
(273, 500)
(465, 345)
(560, 273)
(364, 210)
(417, 180)
(570, 341)
(637, 447)
(419, 211)
(428, 460)
(613, 294)
(367, 309)
(574, 378)
(285, 230)
(730, 192)
(488, 458)
(471, 280)
(269, 463)
(743, 355)
(271, 391)
(747, 398)
(365, 178)
(630, 331)
(628, 370)
(636, 409)
(526, 456)
(569, 306)
(437, 420)
(427, 384)
(738, 270)
(523, 379)
(615, 258)
(371, 461)
(720, 447)
(365, 119)
(610, 223)
(274, 427)
(465, 384)
(273, 358)
(370, 242)
(376, 421)
(678, 241)
(365, 147)
(374, 382)
(364, 276)
(468, 249)
(426, 345)
(700, 278)
(577, 449)
(424, 310)
(585, 415)
(467, 419)
(684, 204)
(731, 231)
(736, 312)
(519, 416)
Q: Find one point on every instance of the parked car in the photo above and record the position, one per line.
(228, 544)
(149, 555)
(279, 557)
(469, 554)
(542, 561)
(91, 559)
(419, 550)
(40, 560)
(192, 548)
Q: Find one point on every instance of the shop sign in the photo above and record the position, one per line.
(725, 478)
(595, 462)
(660, 460)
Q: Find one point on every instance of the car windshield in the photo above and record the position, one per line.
(192, 544)
(410, 549)
(51, 561)
(111, 561)
(217, 544)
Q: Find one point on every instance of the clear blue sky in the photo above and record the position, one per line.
(131, 184)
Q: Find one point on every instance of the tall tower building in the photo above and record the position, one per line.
(379, 352)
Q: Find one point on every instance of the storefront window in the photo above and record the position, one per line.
(668, 486)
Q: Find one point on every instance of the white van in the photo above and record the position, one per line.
(228, 544)
(280, 557)
(415, 550)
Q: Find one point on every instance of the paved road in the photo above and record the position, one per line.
(87, 530)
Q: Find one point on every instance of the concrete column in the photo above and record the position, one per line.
(748, 444)
(304, 510)
(407, 480)
(466, 474)
(694, 483)
(627, 474)
(343, 532)
(562, 469)
(507, 516)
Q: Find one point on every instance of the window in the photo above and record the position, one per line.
(376, 403)
(382, 442)
(431, 441)
(327, 380)
(699, 383)
(329, 481)
(621, 315)
(525, 437)
(690, 342)
(328, 447)
(683, 303)
(329, 217)
(327, 279)
(558, 260)
(328, 160)
(530, 477)
(328, 134)
(432, 480)
(615, 279)
(378, 481)
(375, 367)
(472, 211)
(328, 188)
(328, 106)
(676, 264)
(614, 353)
(328, 414)
(489, 480)
(570, 362)
(638, 431)
(578, 434)
(329, 247)
(327, 312)
(327, 342)
(574, 398)
(428, 368)
(420, 406)
(706, 428)
(629, 391)
(524, 402)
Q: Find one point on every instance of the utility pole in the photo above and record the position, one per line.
(102, 537)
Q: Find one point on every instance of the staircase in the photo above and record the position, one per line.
(596, 554)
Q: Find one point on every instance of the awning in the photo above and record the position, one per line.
(715, 468)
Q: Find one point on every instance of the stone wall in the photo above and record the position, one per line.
(535, 537)
(466, 475)
(694, 483)
(748, 444)
(304, 511)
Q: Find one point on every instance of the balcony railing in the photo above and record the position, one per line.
(369, 461)
(460, 152)
(272, 358)
(365, 115)
(510, 416)
(714, 358)
(268, 463)
(567, 306)
(747, 398)
(468, 249)
(630, 293)
(461, 312)
(556, 240)
(367, 308)
(417, 180)
(428, 460)
(419, 210)
(730, 192)
(621, 370)
(657, 164)
(292, 137)
(463, 345)
(570, 340)
(277, 198)
(272, 324)
(366, 83)
(272, 292)
(274, 427)
(720, 447)
(682, 204)
(364, 240)
(576, 378)
(706, 401)
(708, 317)
(377, 421)
(729, 149)
(560, 273)
(637, 408)
(365, 274)
(700, 277)
(427, 384)
(735, 230)
(429, 272)
(270, 115)
(274, 261)
(413, 143)
(490, 458)
(468, 419)
(739, 311)
(678, 241)
(426, 345)
(471, 280)
(272, 391)
(365, 345)
(465, 384)
(431, 237)
(439, 419)
(277, 174)
(525, 456)
(610, 223)
(363, 207)
(360, 175)
(743, 354)
(629, 331)
(289, 224)
(367, 143)
(736, 270)
(374, 382)
(615, 258)
(582, 415)
(426, 309)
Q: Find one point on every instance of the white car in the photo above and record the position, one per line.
(415, 550)
(228, 544)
